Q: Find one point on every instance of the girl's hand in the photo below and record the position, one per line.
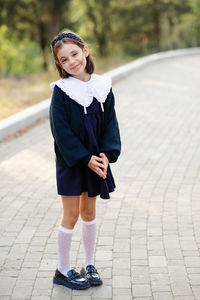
(105, 162)
(96, 164)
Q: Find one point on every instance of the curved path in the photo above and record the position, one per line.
(148, 232)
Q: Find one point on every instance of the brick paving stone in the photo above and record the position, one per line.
(159, 278)
(41, 292)
(24, 282)
(139, 262)
(104, 255)
(184, 298)
(148, 232)
(60, 292)
(139, 253)
(141, 290)
(7, 282)
(194, 279)
(43, 283)
(103, 299)
(87, 292)
(181, 288)
(29, 273)
(190, 253)
(163, 296)
(104, 292)
(122, 272)
(192, 261)
(175, 262)
(160, 270)
(140, 275)
(173, 253)
(48, 265)
(6, 292)
(141, 298)
(82, 298)
(193, 271)
(105, 241)
(157, 261)
(156, 287)
(121, 281)
(157, 252)
(196, 294)
(177, 272)
(40, 298)
(121, 263)
(122, 292)
(22, 292)
(122, 297)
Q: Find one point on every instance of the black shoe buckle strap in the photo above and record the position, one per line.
(75, 275)
(91, 269)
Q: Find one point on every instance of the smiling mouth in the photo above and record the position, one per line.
(74, 67)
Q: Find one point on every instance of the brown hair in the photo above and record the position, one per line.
(58, 44)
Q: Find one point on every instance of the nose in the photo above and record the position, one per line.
(71, 61)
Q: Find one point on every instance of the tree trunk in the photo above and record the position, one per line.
(101, 29)
(54, 25)
(43, 43)
(156, 20)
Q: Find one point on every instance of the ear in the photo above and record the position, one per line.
(86, 50)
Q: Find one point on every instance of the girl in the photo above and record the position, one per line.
(86, 138)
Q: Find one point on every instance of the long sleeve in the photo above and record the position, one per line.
(111, 143)
(69, 145)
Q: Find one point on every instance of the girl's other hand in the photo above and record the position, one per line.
(96, 164)
(105, 162)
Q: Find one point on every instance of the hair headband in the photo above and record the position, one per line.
(65, 35)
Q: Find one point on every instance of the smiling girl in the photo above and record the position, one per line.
(86, 139)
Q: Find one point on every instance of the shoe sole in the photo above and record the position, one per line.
(68, 285)
(95, 283)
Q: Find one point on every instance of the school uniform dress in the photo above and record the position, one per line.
(83, 123)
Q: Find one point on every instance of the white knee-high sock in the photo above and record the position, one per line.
(64, 245)
(89, 238)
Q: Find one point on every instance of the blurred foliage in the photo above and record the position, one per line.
(18, 57)
(109, 27)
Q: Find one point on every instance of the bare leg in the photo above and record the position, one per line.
(87, 207)
(70, 211)
(87, 212)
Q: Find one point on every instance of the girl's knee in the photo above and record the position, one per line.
(70, 220)
(70, 211)
(87, 208)
(87, 215)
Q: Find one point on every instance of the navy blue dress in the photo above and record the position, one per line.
(72, 181)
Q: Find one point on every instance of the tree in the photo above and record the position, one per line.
(139, 23)
(39, 20)
(99, 15)
(195, 7)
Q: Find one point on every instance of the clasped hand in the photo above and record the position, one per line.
(99, 165)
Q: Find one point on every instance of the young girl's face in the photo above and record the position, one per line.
(73, 59)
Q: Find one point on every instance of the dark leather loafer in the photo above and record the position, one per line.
(73, 280)
(91, 274)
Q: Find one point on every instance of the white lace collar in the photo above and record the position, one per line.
(83, 91)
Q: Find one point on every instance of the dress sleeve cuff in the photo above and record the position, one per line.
(86, 159)
(108, 155)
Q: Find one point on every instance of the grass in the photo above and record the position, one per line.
(18, 93)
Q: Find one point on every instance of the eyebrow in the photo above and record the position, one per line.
(70, 53)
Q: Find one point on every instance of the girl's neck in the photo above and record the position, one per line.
(83, 77)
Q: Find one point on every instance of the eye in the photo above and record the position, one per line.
(74, 54)
(64, 60)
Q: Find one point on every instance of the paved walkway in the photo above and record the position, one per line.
(149, 232)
